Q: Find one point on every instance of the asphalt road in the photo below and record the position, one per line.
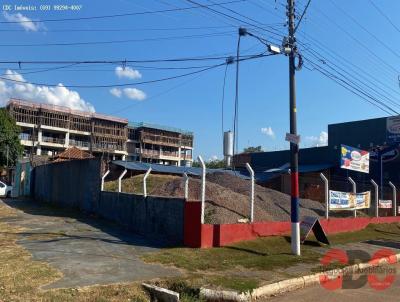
(364, 294)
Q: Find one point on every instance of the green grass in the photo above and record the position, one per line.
(135, 184)
(262, 254)
(266, 253)
(386, 231)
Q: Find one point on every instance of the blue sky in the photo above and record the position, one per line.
(194, 102)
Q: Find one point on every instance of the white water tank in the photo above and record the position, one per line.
(228, 147)
(228, 143)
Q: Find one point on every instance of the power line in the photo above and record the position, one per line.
(121, 41)
(271, 25)
(344, 85)
(302, 15)
(369, 60)
(350, 78)
(354, 38)
(365, 29)
(118, 15)
(360, 72)
(136, 83)
(124, 62)
(384, 15)
(349, 85)
(230, 17)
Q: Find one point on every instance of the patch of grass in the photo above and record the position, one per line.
(135, 184)
(240, 284)
(266, 253)
(385, 231)
(262, 254)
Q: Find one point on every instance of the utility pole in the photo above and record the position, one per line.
(294, 148)
(7, 154)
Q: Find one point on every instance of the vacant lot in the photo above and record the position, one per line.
(52, 254)
(227, 197)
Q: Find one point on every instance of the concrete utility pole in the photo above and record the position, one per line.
(294, 148)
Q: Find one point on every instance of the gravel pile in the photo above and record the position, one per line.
(228, 199)
(222, 205)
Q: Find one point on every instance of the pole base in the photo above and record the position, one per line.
(295, 239)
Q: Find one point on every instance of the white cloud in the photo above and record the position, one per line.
(24, 21)
(127, 72)
(59, 95)
(321, 140)
(214, 157)
(130, 93)
(268, 131)
(116, 92)
(134, 94)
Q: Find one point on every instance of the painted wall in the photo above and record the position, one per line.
(73, 183)
(207, 235)
(150, 216)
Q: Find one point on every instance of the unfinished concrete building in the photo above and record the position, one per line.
(49, 129)
(159, 144)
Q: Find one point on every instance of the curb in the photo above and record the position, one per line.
(289, 285)
(161, 294)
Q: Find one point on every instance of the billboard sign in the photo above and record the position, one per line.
(354, 159)
(349, 201)
(385, 204)
(393, 129)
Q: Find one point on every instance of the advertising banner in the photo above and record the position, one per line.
(385, 204)
(349, 201)
(363, 200)
(340, 200)
(354, 159)
(393, 129)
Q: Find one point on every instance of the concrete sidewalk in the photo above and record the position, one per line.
(87, 251)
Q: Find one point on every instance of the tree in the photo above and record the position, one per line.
(253, 149)
(211, 164)
(10, 147)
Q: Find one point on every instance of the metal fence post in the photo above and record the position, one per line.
(353, 183)
(120, 179)
(144, 182)
(376, 197)
(326, 195)
(394, 198)
(203, 187)
(186, 180)
(251, 171)
(103, 178)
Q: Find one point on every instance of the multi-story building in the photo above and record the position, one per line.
(159, 144)
(49, 130)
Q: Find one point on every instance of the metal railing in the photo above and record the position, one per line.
(79, 143)
(54, 140)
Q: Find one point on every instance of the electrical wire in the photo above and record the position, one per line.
(271, 25)
(390, 49)
(116, 15)
(384, 15)
(121, 41)
(348, 86)
(124, 62)
(236, 104)
(223, 100)
(344, 73)
(135, 83)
